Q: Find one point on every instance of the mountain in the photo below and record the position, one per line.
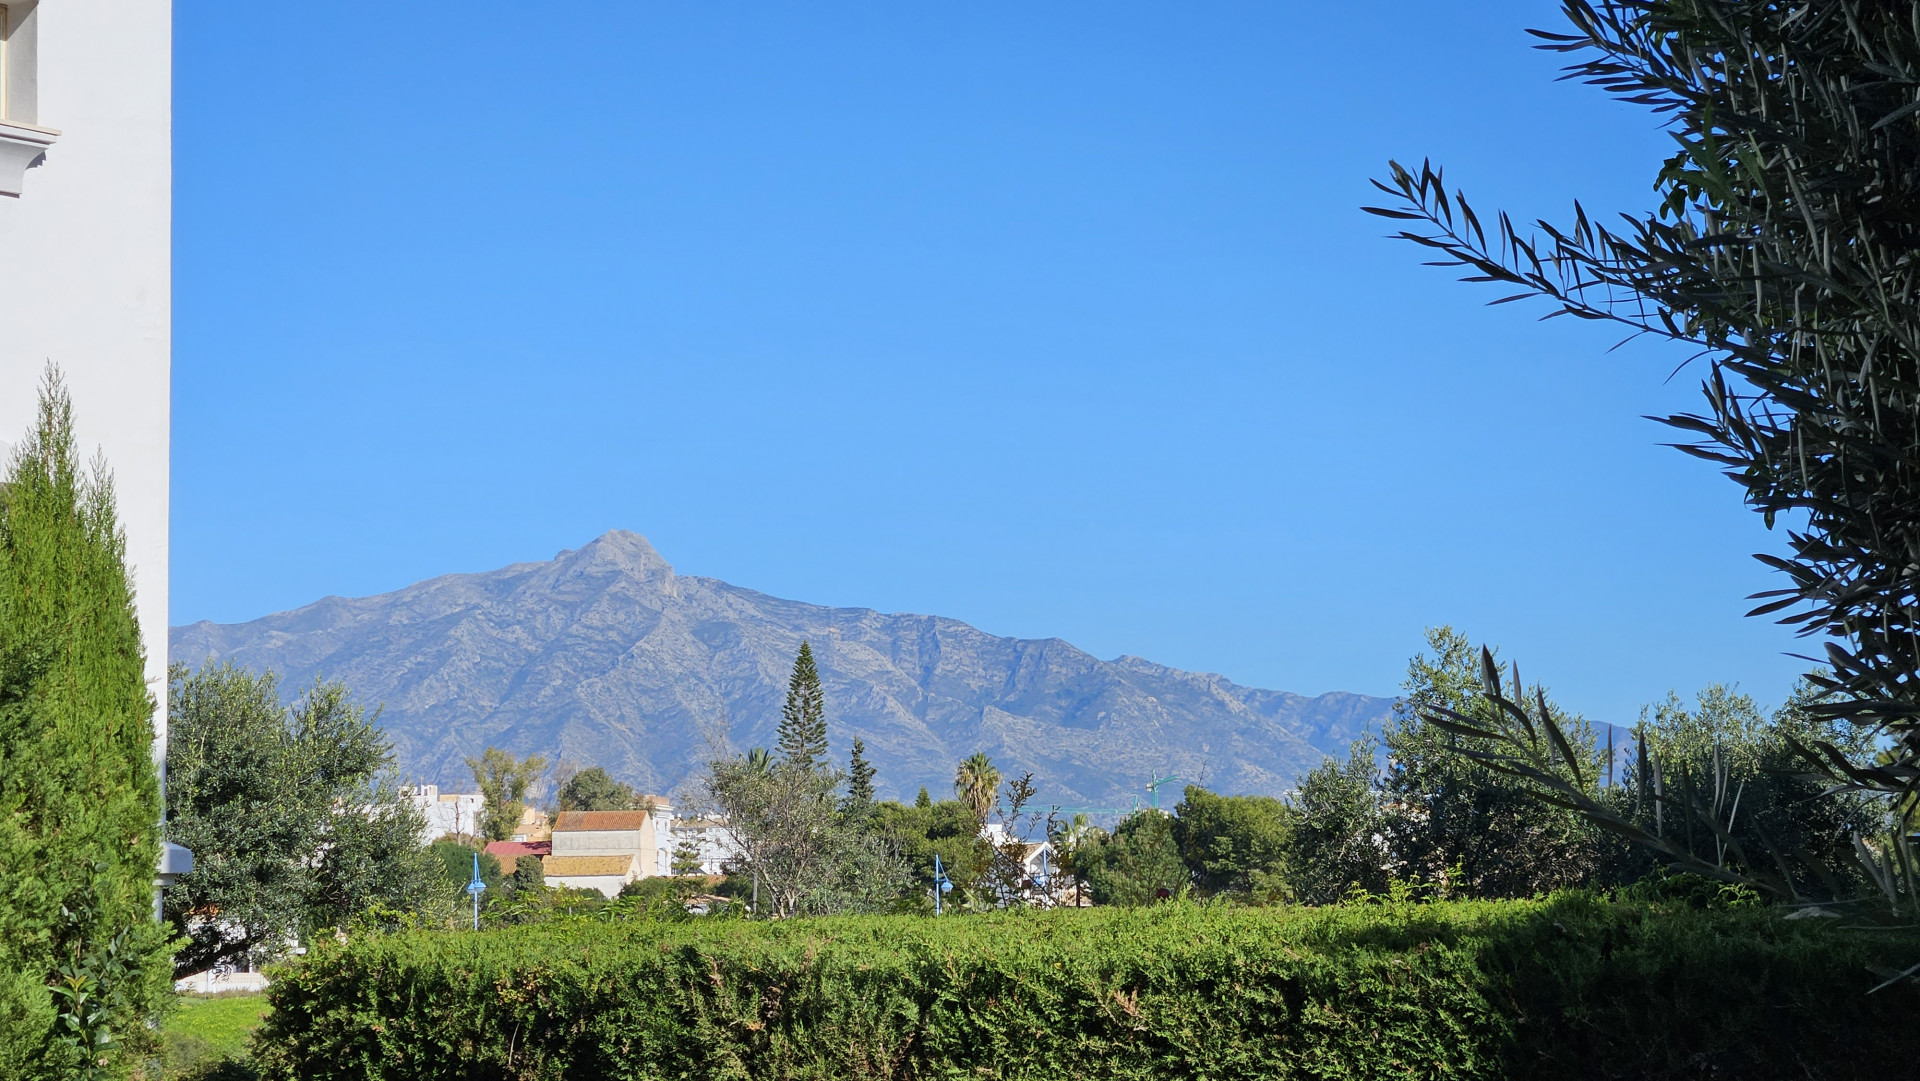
(604, 656)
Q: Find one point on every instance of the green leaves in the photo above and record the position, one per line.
(803, 718)
(294, 817)
(1566, 986)
(79, 795)
(1780, 247)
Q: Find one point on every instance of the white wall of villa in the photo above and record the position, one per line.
(85, 281)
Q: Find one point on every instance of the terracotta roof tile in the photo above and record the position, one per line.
(575, 821)
(516, 849)
(582, 866)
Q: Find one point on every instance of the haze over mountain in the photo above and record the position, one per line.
(604, 656)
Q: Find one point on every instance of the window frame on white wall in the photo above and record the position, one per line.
(23, 142)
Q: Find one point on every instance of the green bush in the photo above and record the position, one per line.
(1568, 987)
(82, 962)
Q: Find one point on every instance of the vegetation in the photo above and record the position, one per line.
(1779, 249)
(1448, 814)
(1340, 840)
(82, 963)
(206, 1036)
(293, 814)
(803, 718)
(504, 783)
(1569, 986)
(810, 852)
(457, 863)
(977, 783)
(1140, 863)
(594, 789)
(1235, 845)
(926, 829)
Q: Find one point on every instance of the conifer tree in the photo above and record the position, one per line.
(803, 720)
(83, 964)
(859, 777)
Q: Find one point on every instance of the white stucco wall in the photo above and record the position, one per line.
(85, 276)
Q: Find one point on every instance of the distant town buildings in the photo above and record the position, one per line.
(598, 850)
(458, 814)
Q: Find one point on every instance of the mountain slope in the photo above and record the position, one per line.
(605, 656)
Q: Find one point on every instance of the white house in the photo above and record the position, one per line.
(446, 812)
(710, 838)
(86, 211)
(644, 836)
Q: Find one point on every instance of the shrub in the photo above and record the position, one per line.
(82, 962)
(1567, 987)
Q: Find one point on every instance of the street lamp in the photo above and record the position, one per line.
(1040, 880)
(941, 883)
(476, 888)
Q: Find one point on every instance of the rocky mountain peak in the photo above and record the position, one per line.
(603, 656)
(616, 553)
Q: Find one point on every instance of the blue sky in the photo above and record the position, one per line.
(1059, 319)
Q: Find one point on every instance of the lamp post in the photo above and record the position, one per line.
(476, 888)
(1042, 879)
(941, 883)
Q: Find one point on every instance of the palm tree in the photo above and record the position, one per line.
(977, 783)
(759, 761)
(1071, 841)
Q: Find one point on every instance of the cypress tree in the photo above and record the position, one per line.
(859, 777)
(82, 961)
(803, 720)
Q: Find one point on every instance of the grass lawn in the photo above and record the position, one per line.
(209, 1029)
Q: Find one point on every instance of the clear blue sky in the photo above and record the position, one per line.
(1059, 319)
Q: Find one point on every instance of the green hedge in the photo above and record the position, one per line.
(1571, 987)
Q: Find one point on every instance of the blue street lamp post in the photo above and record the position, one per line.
(1040, 881)
(941, 883)
(476, 888)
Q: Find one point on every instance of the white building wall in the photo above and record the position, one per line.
(85, 256)
(710, 836)
(598, 843)
(447, 812)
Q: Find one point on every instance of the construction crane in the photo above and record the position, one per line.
(1153, 788)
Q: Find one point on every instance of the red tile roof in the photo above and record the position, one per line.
(515, 849)
(570, 821)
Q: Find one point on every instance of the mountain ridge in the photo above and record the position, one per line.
(606, 656)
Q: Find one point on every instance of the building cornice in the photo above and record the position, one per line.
(21, 147)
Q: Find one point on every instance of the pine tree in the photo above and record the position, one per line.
(859, 777)
(923, 801)
(803, 720)
(79, 791)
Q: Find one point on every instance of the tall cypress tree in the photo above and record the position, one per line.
(82, 961)
(859, 777)
(803, 720)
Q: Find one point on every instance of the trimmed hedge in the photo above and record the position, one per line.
(1570, 987)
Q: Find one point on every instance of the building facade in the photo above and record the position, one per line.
(86, 206)
(456, 813)
(710, 840)
(644, 835)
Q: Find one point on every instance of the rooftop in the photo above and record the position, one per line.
(585, 866)
(516, 849)
(574, 821)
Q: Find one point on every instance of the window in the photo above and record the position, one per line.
(23, 142)
(17, 34)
